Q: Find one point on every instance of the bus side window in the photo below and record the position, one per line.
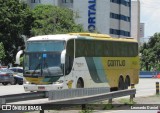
(89, 48)
(120, 49)
(70, 48)
(109, 48)
(135, 49)
(69, 64)
(99, 51)
(125, 50)
(69, 56)
(80, 48)
(116, 49)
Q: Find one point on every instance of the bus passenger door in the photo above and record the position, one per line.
(69, 65)
(69, 71)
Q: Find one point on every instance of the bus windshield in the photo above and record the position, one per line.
(43, 58)
(37, 46)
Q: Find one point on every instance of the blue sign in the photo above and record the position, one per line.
(44, 55)
(91, 15)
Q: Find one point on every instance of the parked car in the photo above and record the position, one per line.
(18, 79)
(18, 76)
(18, 70)
(6, 76)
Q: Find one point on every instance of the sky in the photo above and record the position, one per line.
(150, 15)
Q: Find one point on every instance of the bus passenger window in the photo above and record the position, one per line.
(69, 64)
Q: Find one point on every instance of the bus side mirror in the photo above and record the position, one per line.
(63, 55)
(18, 57)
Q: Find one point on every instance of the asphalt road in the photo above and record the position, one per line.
(11, 89)
(145, 87)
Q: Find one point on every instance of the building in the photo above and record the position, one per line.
(135, 20)
(141, 34)
(104, 16)
(141, 30)
(61, 3)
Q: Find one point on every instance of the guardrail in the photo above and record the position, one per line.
(22, 97)
(66, 102)
(78, 92)
(95, 98)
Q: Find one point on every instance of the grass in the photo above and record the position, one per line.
(108, 107)
(86, 111)
(126, 101)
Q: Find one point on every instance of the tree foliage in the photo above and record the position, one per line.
(15, 20)
(18, 19)
(2, 52)
(150, 53)
(53, 20)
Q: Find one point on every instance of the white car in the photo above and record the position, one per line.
(6, 76)
(18, 75)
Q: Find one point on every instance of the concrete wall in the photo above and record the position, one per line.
(135, 20)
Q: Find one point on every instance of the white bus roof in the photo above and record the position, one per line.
(77, 35)
(52, 37)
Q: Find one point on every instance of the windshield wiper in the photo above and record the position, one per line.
(46, 66)
(37, 68)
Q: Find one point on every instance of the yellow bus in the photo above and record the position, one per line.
(80, 60)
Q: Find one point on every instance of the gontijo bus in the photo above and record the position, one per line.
(80, 60)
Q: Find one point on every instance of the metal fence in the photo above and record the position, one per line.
(71, 93)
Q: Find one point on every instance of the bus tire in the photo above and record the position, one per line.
(80, 83)
(121, 83)
(127, 82)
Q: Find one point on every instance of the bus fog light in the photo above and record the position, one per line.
(27, 82)
(57, 82)
(61, 81)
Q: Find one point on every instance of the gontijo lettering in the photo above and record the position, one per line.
(91, 15)
(116, 63)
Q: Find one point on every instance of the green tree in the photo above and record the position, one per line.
(150, 53)
(15, 20)
(2, 52)
(53, 20)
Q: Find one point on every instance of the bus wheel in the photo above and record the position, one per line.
(121, 84)
(127, 82)
(80, 83)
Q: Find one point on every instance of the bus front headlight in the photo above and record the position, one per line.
(58, 82)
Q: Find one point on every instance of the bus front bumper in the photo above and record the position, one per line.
(34, 87)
